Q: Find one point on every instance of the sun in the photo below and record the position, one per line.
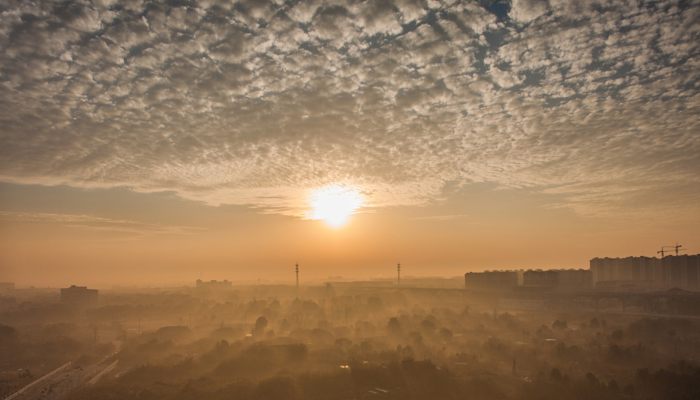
(334, 204)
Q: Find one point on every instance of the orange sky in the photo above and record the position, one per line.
(113, 237)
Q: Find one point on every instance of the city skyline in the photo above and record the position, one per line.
(350, 199)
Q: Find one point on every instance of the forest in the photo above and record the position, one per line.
(322, 343)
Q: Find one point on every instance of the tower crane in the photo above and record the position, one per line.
(676, 248)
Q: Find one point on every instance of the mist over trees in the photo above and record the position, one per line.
(269, 343)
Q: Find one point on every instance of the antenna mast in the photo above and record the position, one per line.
(398, 274)
(296, 270)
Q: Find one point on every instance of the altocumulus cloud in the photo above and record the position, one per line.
(128, 228)
(248, 102)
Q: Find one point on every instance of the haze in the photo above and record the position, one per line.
(350, 199)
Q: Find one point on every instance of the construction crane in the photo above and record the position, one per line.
(663, 251)
(676, 248)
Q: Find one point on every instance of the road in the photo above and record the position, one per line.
(33, 386)
(64, 379)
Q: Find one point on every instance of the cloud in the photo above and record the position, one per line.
(96, 224)
(527, 10)
(259, 102)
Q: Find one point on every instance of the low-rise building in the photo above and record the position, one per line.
(213, 284)
(79, 295)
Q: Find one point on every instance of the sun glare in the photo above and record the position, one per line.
(334, 204)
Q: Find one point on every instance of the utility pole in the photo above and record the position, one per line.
(398, 274)
(296, 269)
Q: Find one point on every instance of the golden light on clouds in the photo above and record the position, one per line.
(158, 135)
(334, 204)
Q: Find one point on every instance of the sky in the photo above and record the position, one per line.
(156, 143)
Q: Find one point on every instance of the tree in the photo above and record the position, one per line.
(559, 324)
(260, 325)
(394, 326)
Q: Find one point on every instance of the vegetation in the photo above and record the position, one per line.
(351, 345)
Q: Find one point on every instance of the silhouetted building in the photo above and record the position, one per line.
(376, 283)
(532, 279)
(629, 272)
(493, 280)
(681, 271)
(540, 278)
(574, 279)
(647, 273)
(213, 284)
(80, 295)
(558, 279)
